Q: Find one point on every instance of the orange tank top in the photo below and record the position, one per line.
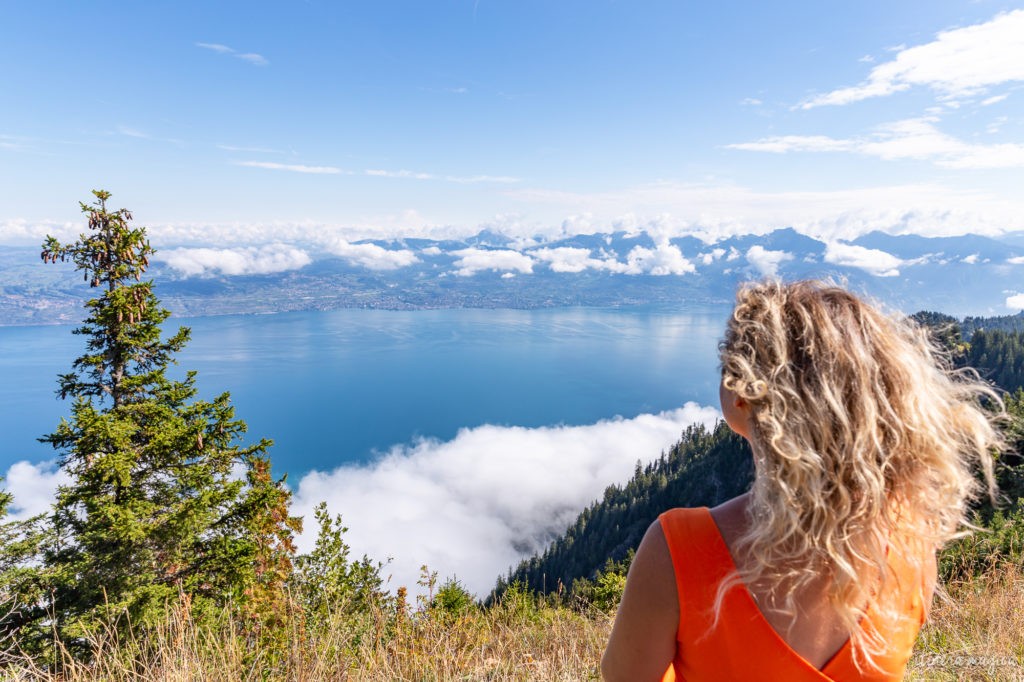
(743, 645)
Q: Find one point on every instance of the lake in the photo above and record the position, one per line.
(337, 387)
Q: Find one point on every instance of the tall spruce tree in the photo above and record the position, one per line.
(155, 512)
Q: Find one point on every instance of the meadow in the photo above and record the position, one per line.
(975, 632)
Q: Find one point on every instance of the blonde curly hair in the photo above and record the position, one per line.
(865, 441)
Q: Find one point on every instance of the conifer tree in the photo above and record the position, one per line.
(22, 587)
(154, 512)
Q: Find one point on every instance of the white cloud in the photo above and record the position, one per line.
(251, 57)
(474, 260)
(471, 506)
(1016, 260)
(475, 505)
(958, 62)
(873, 261)
(462, 179)
(371, 256)
(714, 211)
(34, 487)
(448, 90)
(398, 174)
(972, 259)
(216, 47)
(431, 251)
(795, 143)
(22, 232)
(920, 139)
(751, 102)
(915, 138)
(252, 260)
(294, 168)
(713, 255)
(993, 100)
(664, 259)
(1016, 302)
(704, 210)
(866, 59)
(767, 262)
(570, 259)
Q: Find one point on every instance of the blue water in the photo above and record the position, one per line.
(334, 387)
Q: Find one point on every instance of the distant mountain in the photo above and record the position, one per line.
(490, 270)
(958, 248)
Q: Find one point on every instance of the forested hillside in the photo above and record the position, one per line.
(999, 356)
(1006, 323)
(703, 469)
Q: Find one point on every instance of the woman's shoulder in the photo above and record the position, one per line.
(689, 526)
(643, 641)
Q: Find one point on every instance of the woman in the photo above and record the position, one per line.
(864, 447)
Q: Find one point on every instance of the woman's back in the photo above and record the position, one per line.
(863, 441)
(819, 633)
(751, 640)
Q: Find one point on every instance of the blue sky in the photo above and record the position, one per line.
(241, 123)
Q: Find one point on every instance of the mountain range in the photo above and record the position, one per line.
(968, 274)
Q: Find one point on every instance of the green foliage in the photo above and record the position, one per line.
(22, 586)
(999, 541)
(328, 582)
(945, 330)
(604, 592)
(999, 357)
(452, 600)
(267, 540)
(152, 514)
(517, 602)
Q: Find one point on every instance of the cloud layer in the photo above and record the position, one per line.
(914, 138)
(472, 506)
(34, 487)
(473, 260)
(765, 261)
(707, 211)
(370, 256)
(477, 504)
(874, 261)
(253, 260)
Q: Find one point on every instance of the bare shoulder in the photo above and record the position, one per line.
(643, 640)
(731, 518)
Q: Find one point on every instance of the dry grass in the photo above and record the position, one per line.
(510, 642)
(976, 635)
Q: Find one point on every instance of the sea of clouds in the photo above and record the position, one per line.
(470, 507)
